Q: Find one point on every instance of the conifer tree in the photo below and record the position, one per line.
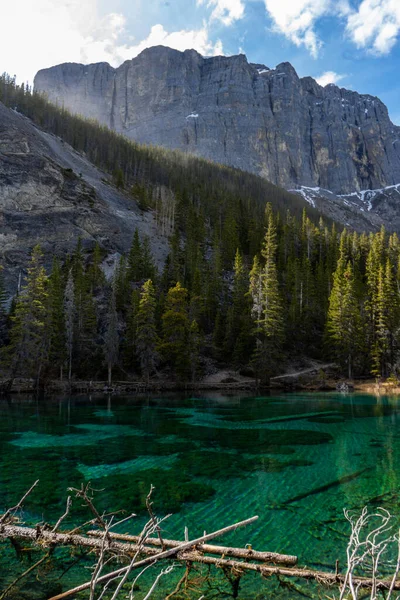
(95, 273)
(344, 319)
(175, 331)
(85, 328)
(111, 337)
(69, 316)
(238, 331)
(129, 349)
(148, 268)
(121, 284)
(135, 259)
(57, 351)
(29, 338)
(267, 306)
(147, 338)
(385, 347)
(3, 310)
(194, 350)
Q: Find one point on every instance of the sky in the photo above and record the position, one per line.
(353, 43)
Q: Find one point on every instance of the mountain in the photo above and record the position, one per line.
(52, 195)
(287, 129)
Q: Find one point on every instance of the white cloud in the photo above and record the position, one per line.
(296, 19)
(44, 33)
(375, 25)
(180, 40)
(226, 11)
(329, 77)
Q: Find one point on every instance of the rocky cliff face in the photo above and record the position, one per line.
(268, 121)
(51, 195)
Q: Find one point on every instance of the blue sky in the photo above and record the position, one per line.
(354, 43)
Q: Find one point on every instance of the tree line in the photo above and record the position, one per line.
(309, 291)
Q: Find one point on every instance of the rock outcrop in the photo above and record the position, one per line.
(51, 195)
(268, 121)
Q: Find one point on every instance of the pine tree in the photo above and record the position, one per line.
(148, 268)
(3, 310)
(238, 331)
(29, 336)
(175, 331)
(385, 348)
(86, 349)
(194, 344)
(69, 316)
(121, 284)
(344, 319)
(374, 279)
(57, 351)
(135, 259)
(129, 349)
(111, 338)
(267, 306)
(95, 273)
(147, 338)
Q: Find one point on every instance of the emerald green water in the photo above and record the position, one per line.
(213, 461)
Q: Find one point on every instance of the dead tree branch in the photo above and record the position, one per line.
(6, 515)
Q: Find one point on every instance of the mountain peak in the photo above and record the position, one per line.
(291, 131)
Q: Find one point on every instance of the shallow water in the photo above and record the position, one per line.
(213, 460)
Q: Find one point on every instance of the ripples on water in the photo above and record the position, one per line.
(295, 460)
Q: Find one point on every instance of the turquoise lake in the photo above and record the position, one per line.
(213, 460)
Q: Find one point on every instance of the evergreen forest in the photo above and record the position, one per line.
(252, 279)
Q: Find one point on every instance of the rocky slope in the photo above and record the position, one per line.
(268, 121)
(50, 194)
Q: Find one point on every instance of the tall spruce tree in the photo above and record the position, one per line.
(147, 339)
(57, 350)
(111, 337)
(3, 311)
(176, 331)
(267, 307)
(29, 336)
(344, 319)
(135, 259)
(69, 316)
(384, 351)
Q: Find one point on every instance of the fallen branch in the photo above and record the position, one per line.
(246, 553)
(322, 577)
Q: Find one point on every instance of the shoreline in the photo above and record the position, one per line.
(370, 386)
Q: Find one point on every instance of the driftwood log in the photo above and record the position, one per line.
(246, 553)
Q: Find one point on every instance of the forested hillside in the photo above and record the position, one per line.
(250, 280)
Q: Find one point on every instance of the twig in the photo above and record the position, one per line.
(149, 506)
(61, 519)
(157, 579)
(32, 568)
(17, 506)
(180, 583)
(84, 493)
(396, 570)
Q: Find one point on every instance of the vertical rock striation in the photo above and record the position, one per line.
(268, 121)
